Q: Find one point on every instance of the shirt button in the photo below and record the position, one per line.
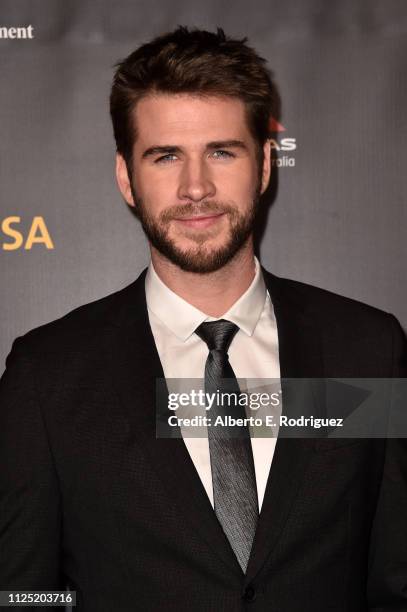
(249, 593)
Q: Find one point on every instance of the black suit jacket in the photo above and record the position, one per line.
(91, 498)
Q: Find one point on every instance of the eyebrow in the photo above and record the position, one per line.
(217, 144)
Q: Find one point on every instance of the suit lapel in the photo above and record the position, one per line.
(135, 368)
(300, 356)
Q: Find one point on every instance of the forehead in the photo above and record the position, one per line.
(171, 116)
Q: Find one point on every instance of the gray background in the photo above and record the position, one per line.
(339, 219)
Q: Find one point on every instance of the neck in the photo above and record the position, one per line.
(212, 293)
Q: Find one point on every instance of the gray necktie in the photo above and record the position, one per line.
(233, 475)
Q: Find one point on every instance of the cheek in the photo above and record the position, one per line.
(155, 191)
(240, 179)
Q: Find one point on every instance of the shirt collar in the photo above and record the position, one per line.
(182, 319)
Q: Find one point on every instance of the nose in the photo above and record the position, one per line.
(195, 181)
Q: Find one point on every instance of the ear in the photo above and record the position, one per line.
(266, 166)
(123, 181)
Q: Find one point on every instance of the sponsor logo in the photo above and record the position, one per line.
(18, 32)
(283, 147)
(37, 234)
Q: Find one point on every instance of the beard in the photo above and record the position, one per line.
(201, 258)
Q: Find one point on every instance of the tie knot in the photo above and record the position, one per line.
(217, 334)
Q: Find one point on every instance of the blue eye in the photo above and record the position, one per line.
(223, 154)
(170, 157)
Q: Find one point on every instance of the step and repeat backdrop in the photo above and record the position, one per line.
(336, 212)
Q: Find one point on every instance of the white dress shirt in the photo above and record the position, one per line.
(253, 354)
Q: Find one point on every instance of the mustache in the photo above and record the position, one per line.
(191, 209)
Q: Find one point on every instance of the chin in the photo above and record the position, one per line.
(205, 248)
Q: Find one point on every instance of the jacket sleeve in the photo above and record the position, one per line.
(30, 509)
(387, 585)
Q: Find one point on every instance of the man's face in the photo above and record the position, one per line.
(195, 178)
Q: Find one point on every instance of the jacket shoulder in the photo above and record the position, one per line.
(83, 326)
(317, 299)
(329, 308)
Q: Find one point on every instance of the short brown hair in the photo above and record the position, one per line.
(192, 61)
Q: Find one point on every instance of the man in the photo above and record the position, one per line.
(90, 496)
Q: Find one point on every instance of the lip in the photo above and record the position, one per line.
(201, 221)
